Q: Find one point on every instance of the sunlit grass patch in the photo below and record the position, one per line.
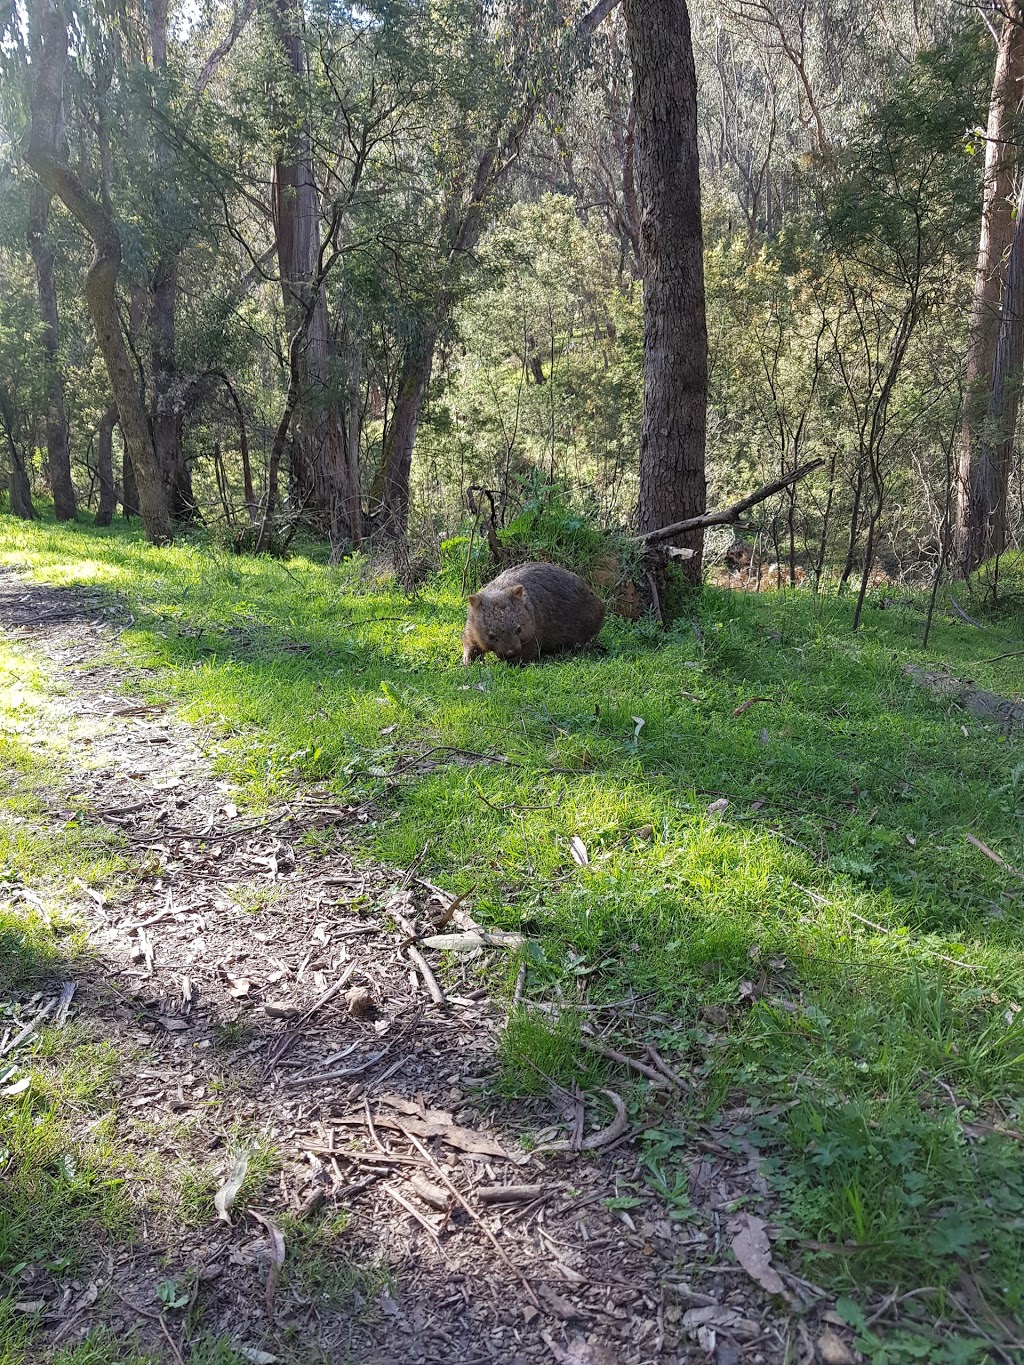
(775, 865)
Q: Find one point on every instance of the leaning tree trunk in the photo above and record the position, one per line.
(672, 439)
(58, 453)
(47, 156)
(105, 468)
(981, 491)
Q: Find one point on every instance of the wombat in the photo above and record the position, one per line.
(530, 610)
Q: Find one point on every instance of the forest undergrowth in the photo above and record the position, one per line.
(751, 828)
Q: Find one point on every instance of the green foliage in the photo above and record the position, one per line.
(539, 1053)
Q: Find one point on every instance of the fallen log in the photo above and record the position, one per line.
(976, 700)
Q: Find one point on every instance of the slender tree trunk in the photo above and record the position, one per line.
(105, 468)
(672, 441)
(251, 505)
(166, 409)
(19, 484)
(981, 493)
(58, 453)
(47, 156)
(401, 435)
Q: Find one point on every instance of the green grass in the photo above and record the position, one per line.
(831, 949)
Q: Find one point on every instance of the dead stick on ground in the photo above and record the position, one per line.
(415, 1213)
(47, 1010)
(517, 994)
(650, 1072)
(664, 1067)
(429, 979)
(476, 1219)
(872, 924)
(991, 853)
(732, 513)
(329, 993)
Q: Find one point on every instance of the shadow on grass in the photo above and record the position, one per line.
(828, 946)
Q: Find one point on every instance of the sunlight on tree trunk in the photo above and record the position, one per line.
(982, 483)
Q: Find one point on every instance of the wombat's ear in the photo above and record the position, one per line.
(473, 599)
(517, 591)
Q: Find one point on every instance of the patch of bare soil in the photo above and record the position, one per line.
(260, 982)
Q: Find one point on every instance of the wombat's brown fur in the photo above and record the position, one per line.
(530, 610)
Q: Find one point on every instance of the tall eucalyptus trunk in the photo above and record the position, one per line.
(672, 440)
(46, 154)
(982, 482)
(322, 471)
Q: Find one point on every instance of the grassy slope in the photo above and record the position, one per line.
(850, 797)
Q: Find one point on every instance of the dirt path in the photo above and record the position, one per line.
(257, 989)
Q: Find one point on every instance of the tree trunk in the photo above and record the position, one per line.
(672, 441)
(105, 468)
(58, 454)
(20, 485)
(47, 156)
(323, 472)
(981, 494)
(990, 484)
(166, 412)
(417, 364)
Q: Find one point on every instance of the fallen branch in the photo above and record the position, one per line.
(429, 979)
(652, 1073)
(476, 1217)
(465, 943)
(509, 1194)
(987, 705)
(991, 853)
(604, 1138)
(730, 514)
(30, 1027)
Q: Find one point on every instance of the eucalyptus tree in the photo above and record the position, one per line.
(993, 360)
(673, 486)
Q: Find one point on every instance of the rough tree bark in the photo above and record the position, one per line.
(995, 452)
(981, 486)
(19, 484)
(672, 440)
(46, 154)
(58, 452)
(323, 473)
(105, 467)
